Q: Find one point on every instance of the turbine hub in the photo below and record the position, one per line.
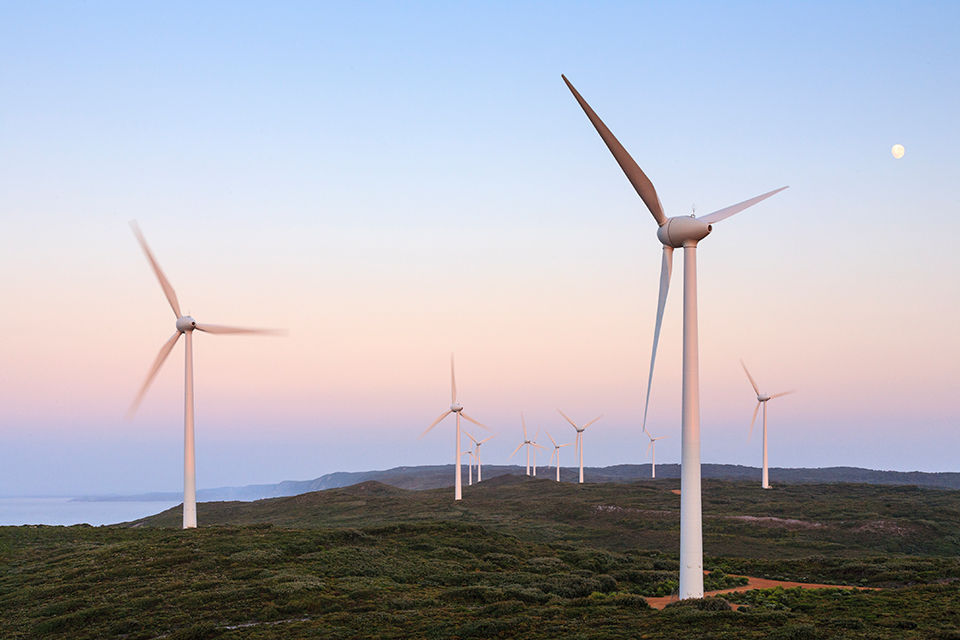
(683, 231)
(186, 323)
(456, 407)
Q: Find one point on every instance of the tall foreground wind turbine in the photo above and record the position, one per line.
(579, 440)
(476, 447)
(556, 453)
(457, 408)
(674, 233)
(762, 399)
(185, 327)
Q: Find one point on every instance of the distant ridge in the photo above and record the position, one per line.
(437, 476)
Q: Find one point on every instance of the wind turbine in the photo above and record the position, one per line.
(579, 440)
(762, 399)
(674, 233)
(652, 450)
(185, 326)
(457, 408)
(535, 446)
(470, 455)
(528, 443)
(556, 453)
(476, 446)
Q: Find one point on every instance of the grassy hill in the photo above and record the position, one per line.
(517, 557)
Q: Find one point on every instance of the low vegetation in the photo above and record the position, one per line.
(515, 558)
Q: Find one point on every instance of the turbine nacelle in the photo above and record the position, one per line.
(186, 323)
(683, 231)
(762, 398)
(456, 407)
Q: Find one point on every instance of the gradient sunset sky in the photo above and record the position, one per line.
(394, 181)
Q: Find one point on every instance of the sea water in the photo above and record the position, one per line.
(67, 511)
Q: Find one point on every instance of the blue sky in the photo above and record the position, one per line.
(393, 181)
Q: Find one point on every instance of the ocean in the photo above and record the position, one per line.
(66, 511)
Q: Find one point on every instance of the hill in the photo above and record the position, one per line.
(517, 557)
(437, 476)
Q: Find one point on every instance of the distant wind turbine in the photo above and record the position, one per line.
(556, 453)
(457, 408)
(476, 446)
(185, 326)
(674, 233)
(470, 456)
(762, 399)
(579, 440)
(528, 443)
(652, 450)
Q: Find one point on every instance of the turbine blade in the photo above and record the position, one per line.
(164, 283)
(551, 438)
(634, 174)
(666, 270)
(479, 424)
(783, 393)
(753, 419)
(753, 382)
(435, 423)
(453, 382)
(517, 449)
(592, 421)
(726, 212)
(650, 446)
(223, 329)
(467, 433)
(572, 423)
(157, 363)
(489, 438)
(566, 444)
(538, 446)
(523, 423)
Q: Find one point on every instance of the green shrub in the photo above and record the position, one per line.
(472, 595)
(489, 628)
(848, 623)
(502, 560)
(607, 583)
(569, 585)
(796, 632)
(702, 604)
(200, 631)
(503, 608)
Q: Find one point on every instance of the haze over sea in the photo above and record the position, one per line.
(69, 511)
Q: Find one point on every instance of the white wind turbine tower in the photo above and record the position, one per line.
(528, 443)
(579, 440)
(476, 446)
(652, 450)
(556, 453)
(762, 399)
(457, 408)
(185, 326)
(677, 232)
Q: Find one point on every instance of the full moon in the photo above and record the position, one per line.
(897, 150)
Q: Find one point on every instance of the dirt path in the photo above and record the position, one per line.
(752, 583)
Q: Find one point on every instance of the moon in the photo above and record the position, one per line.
(897, 150)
